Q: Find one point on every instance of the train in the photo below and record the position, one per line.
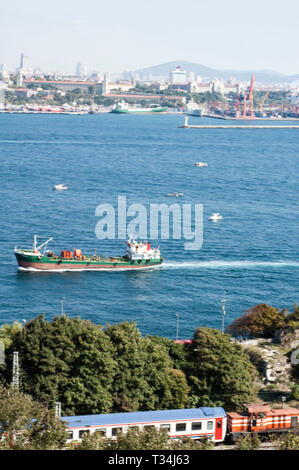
(212, 423)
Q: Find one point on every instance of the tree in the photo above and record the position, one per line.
(219, 372)
(7, 332)
(47, 432)
(289, 442)
(26, 424)
(68, 360)
(259, 321)
(145, 378)
(142, 439)
(293, 318)
(176, 351)
(249, 442)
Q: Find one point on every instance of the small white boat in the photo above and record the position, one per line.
(60, 187)
(215, 216)
(201, 164)
(175, 194)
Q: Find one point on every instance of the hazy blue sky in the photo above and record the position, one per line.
(121, 35)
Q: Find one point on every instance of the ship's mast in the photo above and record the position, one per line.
(37, 248)
(34, 242)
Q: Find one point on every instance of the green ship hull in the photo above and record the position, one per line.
(137, 111)
(54, 263)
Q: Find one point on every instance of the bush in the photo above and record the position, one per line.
(261, 321)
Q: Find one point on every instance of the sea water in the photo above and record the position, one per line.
(251, 179)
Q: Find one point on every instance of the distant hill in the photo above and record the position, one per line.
(270, 76)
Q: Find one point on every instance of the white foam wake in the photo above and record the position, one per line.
(34, 270)
(218, 264)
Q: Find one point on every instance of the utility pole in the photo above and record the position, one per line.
(177, 326)
(223, 311)
(15, 370)
(57, 409)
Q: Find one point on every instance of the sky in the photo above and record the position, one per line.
(119, 35)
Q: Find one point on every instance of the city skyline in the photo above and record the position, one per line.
(230, 35)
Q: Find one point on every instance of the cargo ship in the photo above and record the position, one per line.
(139, 255)
(123, 108)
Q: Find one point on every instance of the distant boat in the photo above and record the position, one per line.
(215, 216)
(123, 108)
(60, 187)
(193, 109)
(175, 194)
(201, 164)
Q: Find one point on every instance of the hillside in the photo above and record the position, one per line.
(162, 70)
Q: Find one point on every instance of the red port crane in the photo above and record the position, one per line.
(244, 98)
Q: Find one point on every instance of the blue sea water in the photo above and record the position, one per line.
(251, 179)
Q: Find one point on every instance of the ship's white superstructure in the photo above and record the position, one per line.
(141, 250)
(193, 109)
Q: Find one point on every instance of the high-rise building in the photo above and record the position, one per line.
(105, 87)
(24, 64)
(81, 70)
(177, 75)
(191, 77)
(4, 73)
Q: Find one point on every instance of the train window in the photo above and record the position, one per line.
(210, 425)
(134, 427)
(196, 426)
(115, 431)
(70, 434)
(101, 431)
(147, 427)
(82, 432)
(165, 426)
(180, 427)
(219, 424)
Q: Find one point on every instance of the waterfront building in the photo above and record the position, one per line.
(177, 76)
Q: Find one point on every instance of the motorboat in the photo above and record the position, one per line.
(201, 164)
(60, 187)
(175, 194)
(215, 216)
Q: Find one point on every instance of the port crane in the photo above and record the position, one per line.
(262, 102)
(243, 99)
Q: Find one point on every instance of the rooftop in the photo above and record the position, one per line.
(141, 417)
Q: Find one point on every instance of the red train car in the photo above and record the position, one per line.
(261, 419)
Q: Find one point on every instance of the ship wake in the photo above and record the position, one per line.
(223, 264)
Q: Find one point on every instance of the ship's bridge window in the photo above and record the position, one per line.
(82, 432)
(196, 426)
(180, 427)
(116, 431)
